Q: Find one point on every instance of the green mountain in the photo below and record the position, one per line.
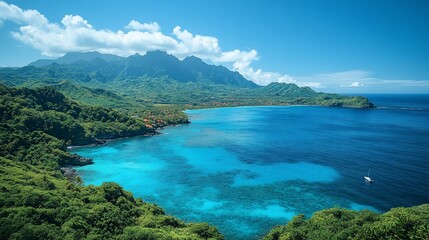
(105, 68)
(287, 90)
(160, 78)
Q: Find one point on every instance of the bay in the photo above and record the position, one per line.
(247, 169)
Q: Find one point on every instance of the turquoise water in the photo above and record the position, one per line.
(248, 169)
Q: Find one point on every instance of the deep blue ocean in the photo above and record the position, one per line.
(247, 169)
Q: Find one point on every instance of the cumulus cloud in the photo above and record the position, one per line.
(75, 34)
(144, 27)
(14, 13)
(241, 63)
(201, 46)
(70, 21)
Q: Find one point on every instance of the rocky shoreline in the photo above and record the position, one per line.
(69, 172)
(103, 141)
(76, 160)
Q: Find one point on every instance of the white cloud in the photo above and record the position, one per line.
(346, 75)
(144, 27)
(264, 78)
(336, 80)
(241, 63)
(356, 84)
(200, 46)
(75, 34)
(70, 21)
(14, 13)
(359, 81)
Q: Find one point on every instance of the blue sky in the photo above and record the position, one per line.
(333, 45)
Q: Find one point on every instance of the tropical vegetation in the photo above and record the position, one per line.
(398, 223)
(38, 202)
(90, 98)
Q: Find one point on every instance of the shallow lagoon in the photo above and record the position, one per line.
(248, 169)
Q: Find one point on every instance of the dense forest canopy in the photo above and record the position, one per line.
(398, 223)
(38, 202)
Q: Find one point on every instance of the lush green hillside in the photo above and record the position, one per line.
(159, 78)
(38, 202)
(398, 223)
(286, 90)
(50, 111)
(287, 93)
(93, 96)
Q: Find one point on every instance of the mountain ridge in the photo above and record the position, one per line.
(160, 78)
(153, 63)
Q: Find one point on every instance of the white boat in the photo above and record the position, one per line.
(368, 178)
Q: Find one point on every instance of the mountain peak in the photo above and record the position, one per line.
(193, 59)
(158, 54)
(135, 55)
(153, 64)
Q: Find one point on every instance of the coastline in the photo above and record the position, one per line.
(70, 169)
(71, 173)
(251, 106)
(104, 141)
